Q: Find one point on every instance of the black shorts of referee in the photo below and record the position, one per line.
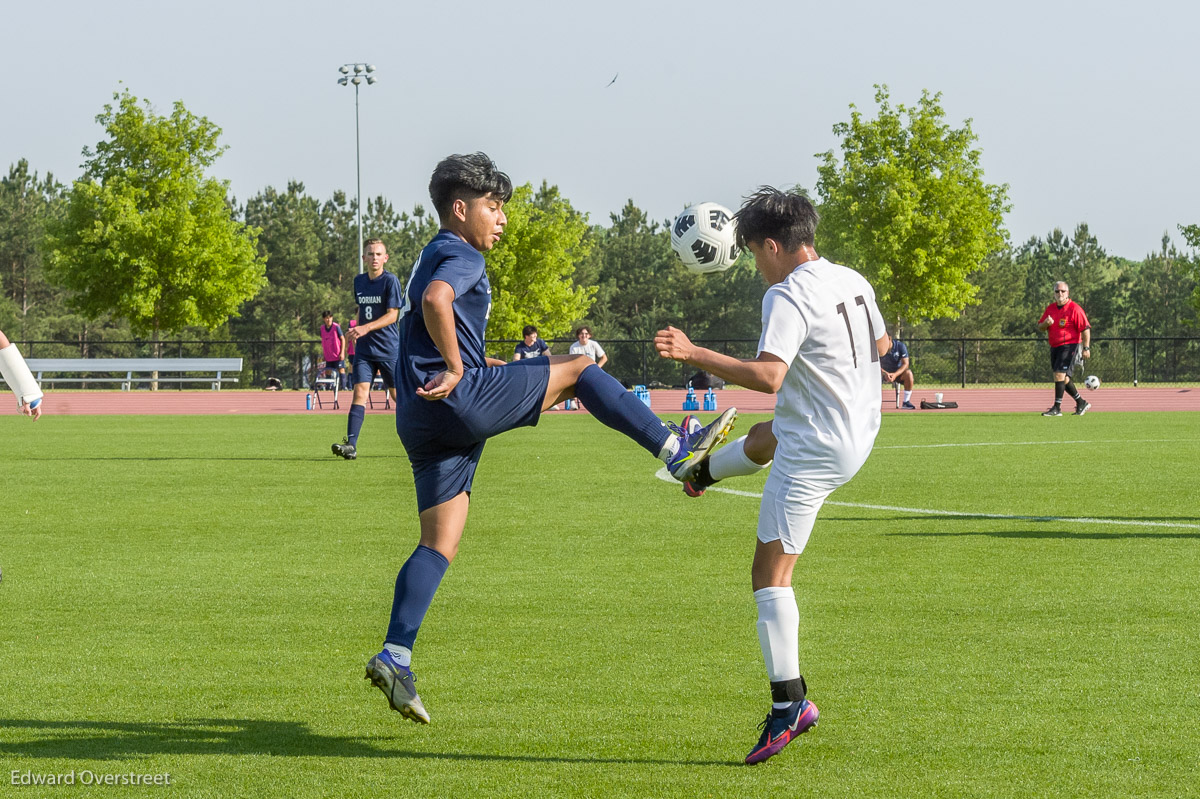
(1064, 358)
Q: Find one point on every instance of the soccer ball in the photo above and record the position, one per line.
(1092, 382)
(702, 237)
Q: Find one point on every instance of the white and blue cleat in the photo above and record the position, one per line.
(697, 445)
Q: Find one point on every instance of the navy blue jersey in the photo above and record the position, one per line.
(891, 359)
(374, 297)
(450, 259)
(523, 350)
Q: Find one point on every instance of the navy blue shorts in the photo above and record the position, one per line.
(444, 438)
(1062, 359)
(365, 369)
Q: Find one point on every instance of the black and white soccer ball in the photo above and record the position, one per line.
(703, 239)
(1092, 382)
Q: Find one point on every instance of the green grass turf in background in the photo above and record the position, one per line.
(198, 595)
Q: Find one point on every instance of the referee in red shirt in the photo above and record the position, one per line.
(1070, 343)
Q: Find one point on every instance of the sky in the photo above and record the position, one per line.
(1087, 111)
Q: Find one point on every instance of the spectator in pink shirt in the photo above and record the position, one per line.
(333, 346)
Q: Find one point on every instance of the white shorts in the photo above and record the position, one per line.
(789, 509)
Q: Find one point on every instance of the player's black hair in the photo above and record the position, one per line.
(788, 217)
(326, 314)
(529, 329)
(582, 328)
(466, 177)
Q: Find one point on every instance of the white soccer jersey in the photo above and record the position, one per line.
(823, 322)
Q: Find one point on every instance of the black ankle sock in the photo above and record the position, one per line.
(703, 478)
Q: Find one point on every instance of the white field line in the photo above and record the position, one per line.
(663, 474)
(1032, 443)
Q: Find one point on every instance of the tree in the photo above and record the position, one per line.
(1191, 234)
(908, 206)
(1087, 269)
(1160, 290)
(147, 236)
(292, 240)
(26, 206)
(406, 234)
(531, 267)
(635, 276)
(1001, 310)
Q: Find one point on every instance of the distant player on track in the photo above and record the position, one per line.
(16, 373)
(375, 338)
(1070, 336)
(822, 335)
(451, 399)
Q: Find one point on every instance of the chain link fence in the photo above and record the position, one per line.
(961, 362)
(294, 363)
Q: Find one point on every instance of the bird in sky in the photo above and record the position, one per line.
(614, 80)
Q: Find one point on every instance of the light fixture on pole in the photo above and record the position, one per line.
(355, 74)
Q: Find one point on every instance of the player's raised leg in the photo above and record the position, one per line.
(616, 407)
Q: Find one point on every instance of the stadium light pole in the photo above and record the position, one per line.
(355, 74)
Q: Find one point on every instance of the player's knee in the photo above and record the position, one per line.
(760, 443)
(570, 366)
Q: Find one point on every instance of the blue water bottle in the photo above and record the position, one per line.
(308, 402)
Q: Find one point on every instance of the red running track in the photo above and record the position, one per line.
(974, 400)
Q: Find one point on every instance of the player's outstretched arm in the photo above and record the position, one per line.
(764, 373)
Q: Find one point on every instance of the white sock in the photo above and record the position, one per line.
(402, 654)
(669, 449)
(779, 633)
(907, 396)
(731, 461)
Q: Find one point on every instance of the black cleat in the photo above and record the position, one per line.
(1082, 407)
(345, 450)
(1054, 411)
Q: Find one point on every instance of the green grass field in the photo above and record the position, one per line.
(197, 596)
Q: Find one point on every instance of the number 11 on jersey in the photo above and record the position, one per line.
(841, 308)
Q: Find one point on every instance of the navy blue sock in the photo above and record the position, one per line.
(607, 400)
(354, 423)
(416, 584)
